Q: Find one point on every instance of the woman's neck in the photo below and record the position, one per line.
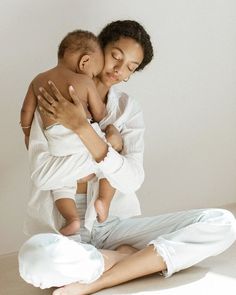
(102, 89)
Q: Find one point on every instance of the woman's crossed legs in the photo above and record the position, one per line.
(171, 238)
(165, 243)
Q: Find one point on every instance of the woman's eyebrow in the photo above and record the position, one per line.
(122, 52)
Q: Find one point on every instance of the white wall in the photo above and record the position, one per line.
(188, 95)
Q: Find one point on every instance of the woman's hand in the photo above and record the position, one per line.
(70, 114)
(114, 137)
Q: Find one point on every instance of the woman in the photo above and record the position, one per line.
(166, 243)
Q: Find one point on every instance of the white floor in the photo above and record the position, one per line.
(216, 276)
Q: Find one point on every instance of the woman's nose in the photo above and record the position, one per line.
(118, 69)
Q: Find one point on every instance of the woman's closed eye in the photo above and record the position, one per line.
(116, 56)
(131, 69)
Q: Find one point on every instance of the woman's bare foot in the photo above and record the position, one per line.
(71, 227)
(102, 209)
(73, 289)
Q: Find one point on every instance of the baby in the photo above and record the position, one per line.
(80, 58)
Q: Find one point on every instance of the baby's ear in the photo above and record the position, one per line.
(84, 62)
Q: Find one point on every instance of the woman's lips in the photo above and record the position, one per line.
(112, 77)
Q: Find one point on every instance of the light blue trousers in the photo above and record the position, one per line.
(182, 239)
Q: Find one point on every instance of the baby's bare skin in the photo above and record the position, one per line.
(63, 77)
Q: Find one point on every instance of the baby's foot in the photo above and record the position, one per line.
(71, 227)
(102, 209)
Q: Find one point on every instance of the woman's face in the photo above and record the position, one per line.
(122, 58)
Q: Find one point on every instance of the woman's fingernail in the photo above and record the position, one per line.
(50, 82)
(39, 97)
(71, 88)
(40, 88)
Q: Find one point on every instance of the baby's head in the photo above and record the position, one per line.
(82, 52)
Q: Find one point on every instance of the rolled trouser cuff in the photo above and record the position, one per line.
(164, 253)
(52, 260)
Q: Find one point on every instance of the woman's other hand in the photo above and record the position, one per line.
(70, 114)
(114, 138)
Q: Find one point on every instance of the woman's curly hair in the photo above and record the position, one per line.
(128, 29)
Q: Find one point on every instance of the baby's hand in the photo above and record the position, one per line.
(114, 138)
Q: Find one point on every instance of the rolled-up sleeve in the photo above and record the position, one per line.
(65, 192)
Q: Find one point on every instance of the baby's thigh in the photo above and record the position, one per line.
(52, 260)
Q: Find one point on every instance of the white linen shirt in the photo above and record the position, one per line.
(58, 175)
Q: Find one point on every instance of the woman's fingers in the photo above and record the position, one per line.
(47, 113)
(55, 91)
(47, 106)
(46, 95)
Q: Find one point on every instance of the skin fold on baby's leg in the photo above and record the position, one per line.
(68, 210)
(103, 201)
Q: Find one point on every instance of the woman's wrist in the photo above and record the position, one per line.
(97, 147)
(81, 128)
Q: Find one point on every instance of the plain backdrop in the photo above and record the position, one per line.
(188, 96)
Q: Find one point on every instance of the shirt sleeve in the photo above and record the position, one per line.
(125, 171)
(65, 192)
(51, 172)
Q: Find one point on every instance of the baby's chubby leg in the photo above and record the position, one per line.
(106, 191)
(102, 203)
(68, 210)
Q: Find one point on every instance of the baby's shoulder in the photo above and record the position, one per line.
(43, 76)
(80, 80)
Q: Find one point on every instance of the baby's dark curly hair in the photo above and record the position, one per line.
(128, 29)
(78, 40)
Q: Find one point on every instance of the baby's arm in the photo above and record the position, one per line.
(95, 104)
(114, 137)
(27, 113)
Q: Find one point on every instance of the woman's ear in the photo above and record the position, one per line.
(84, 62)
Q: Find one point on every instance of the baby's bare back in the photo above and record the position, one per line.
(62, 78)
